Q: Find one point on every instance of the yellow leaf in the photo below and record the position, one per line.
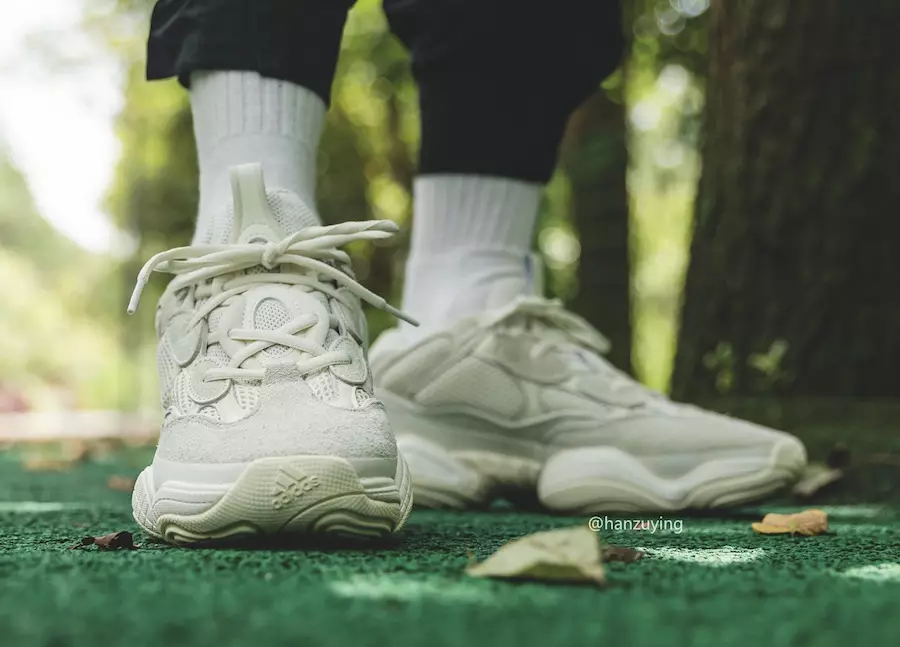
(568, 555)
(808, 523)
(120, 483)
(47, 464)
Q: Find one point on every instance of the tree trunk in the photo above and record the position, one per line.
(793, 283)
(596, 159)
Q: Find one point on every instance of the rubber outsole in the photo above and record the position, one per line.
(295, 496)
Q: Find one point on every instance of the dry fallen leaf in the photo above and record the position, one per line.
(815, 477)
(808, 523)
(621, 554)
(568, 555)
(113, 541)
(47, 464)
(120, 483)
(50, 457)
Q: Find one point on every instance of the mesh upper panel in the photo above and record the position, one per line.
(476, 383)
(168, 371)
(247, 395)
(287, 209)
(217, 353)
(362, 397)
(322, 384)
(210, 412)
(215, 319)
(271, 314)
(180, 394)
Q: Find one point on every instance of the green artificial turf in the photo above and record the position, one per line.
(716, 583)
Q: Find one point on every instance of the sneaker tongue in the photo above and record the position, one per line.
(258, 215)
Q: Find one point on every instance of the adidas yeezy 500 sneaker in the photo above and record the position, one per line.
(270, 422)
(520, 402)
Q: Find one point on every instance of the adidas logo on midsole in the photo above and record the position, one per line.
(290, 486)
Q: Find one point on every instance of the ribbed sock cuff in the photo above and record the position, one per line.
(232, 104)
(471, 211)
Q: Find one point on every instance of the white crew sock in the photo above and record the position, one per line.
(471, 247)
(242, 117)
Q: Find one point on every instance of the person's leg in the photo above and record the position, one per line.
(260, 77)
(497, 82)
(270, 425)
(504, 395)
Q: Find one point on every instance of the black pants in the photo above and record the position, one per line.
(497, 78)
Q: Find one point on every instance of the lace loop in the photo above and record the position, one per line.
(314, 249)
(305, 249)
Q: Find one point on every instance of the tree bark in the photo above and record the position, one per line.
(595, 157)
(793, 283)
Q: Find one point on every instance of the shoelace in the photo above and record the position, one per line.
(571, 330)
(314, 249)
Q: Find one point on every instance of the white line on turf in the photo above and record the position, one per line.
(865, 529)
(835, 511)
(887, 572)
(852, 511)
(708, 556)
(723, 529)
(32, 507)
(408, 589)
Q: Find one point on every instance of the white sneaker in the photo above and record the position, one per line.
(519, 401)
(270, 423)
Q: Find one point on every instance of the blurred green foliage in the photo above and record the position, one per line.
(52, 332)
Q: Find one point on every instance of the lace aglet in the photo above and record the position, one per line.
(136, 294)
(132, 306)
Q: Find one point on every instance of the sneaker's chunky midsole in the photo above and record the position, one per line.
(294, 495)
(588, 480)
(457, 466)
